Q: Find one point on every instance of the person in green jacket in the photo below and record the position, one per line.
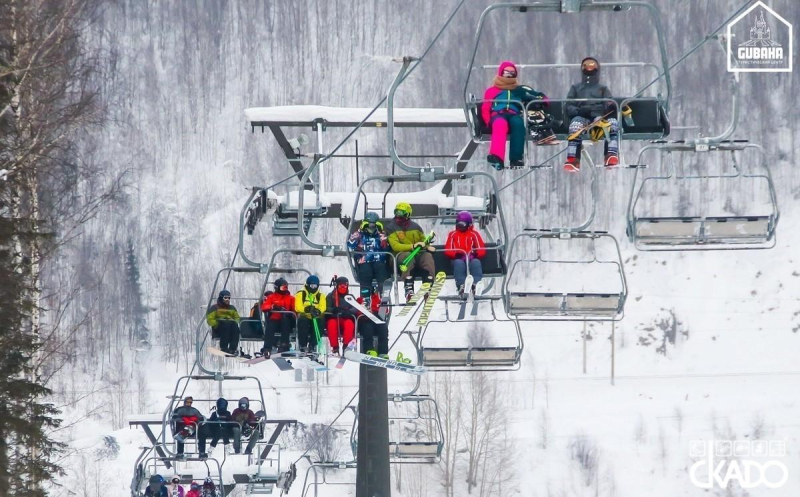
(404, 236)
(224, 321)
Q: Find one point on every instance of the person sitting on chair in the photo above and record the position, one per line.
(342, 317)
(502, 110)
(186, 419)
(404, 236)
(224, 321)
(309, 304)
(465, 247)
(372, 244)
(248, 426)
(584, 115)
(217, 427)
(278, 320)
(155, 487)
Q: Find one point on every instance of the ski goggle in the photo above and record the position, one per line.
(462, 225)
(226, 298)
(366, 225)
(176, 480)
(313, 287)
(282, 287)
(509, 73)
(402, 213)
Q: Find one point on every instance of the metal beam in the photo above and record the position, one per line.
(461, 163)
(373, 478)
(275, 434)
(288, 151)
(154, 441)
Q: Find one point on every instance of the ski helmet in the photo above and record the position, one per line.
(244, 403)
(342, 284)
(195, 486)
(312, 282)
(223, 294)
(222, 404)
(463, 220)
(402, 209)
(593, 71)
(371, 222)
(280, 283)
(156, 479)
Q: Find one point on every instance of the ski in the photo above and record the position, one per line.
(351, 347)
(379, 362)
(217, 352)
(411, 304)
(430, 299)
(372, 317)
(282, 364)
(383, 310)
(464, 298)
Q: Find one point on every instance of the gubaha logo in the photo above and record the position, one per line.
(759, 42)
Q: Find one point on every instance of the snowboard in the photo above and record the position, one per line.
(369, 360)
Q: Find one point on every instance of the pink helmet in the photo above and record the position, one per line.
(464, 217)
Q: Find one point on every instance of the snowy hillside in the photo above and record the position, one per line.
(707, 349)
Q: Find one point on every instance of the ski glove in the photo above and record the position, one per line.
(276, 307)
(418, 244)
(431, 248)
(315, 312)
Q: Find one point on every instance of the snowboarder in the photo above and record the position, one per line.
(247, 427)
(224, 321)
(218, 426)
(194, 491)
(342, 315)
(583, 114)
(404, 236)
(502, 112)
(186, 419)
(465, 247)
(309, 304)
(174, 488)
(277, 306)
(372, 244)
(155, 487)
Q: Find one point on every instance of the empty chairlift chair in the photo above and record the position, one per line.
(746, 212)
(587, 288)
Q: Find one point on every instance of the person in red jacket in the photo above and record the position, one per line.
(278, 316)
(342, 317)
(466, 248)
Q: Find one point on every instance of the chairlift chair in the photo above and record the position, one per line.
(563, 303)
(703, 230)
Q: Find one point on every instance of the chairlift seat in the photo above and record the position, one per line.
(476, 357)
(566, 304)
(251, 329)
(414, 450)
(704, 230)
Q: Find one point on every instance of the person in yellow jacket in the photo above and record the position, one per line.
(404, 236)
(309, 304)
(224, 321)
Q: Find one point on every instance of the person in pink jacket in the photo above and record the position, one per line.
(503, 111)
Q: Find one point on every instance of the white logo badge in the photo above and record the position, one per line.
(750, 464)
(760, 40)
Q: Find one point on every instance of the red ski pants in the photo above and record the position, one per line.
(346, 326)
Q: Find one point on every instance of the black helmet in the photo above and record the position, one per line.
(342, 280)
(222, 404)
(279, 283)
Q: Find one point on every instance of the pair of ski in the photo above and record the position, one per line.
(282, 360)
(468, 297)
(426, 296)
(401, 364)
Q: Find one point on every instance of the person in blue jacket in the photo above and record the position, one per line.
(372, 245)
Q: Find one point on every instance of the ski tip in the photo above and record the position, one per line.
(441, 274)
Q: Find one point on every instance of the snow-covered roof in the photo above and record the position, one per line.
(304, 115)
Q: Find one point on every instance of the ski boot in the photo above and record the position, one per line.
(612, 160)
(461, 292)
(372, 353)
(495, 161)
(516, 164)
(408, 286)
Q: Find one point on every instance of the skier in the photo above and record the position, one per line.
(465, 247)
(275, 306)
(218, 426)
(582, 114)
(174, 488)
(309, 304)
(342, 315)
(194, 491)
(186, 419)
(155, 487)
(370, 240)
(224, 321)
(370, 331)
(404, 236)
(209, 489)
(247, 427)
(502, 112)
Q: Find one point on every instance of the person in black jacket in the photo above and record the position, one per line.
(186, 419)
(582, 114)
(217, 427)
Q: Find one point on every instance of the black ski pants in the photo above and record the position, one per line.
(369, 271)
(283, 326)
(369, 332)
(228, 332)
